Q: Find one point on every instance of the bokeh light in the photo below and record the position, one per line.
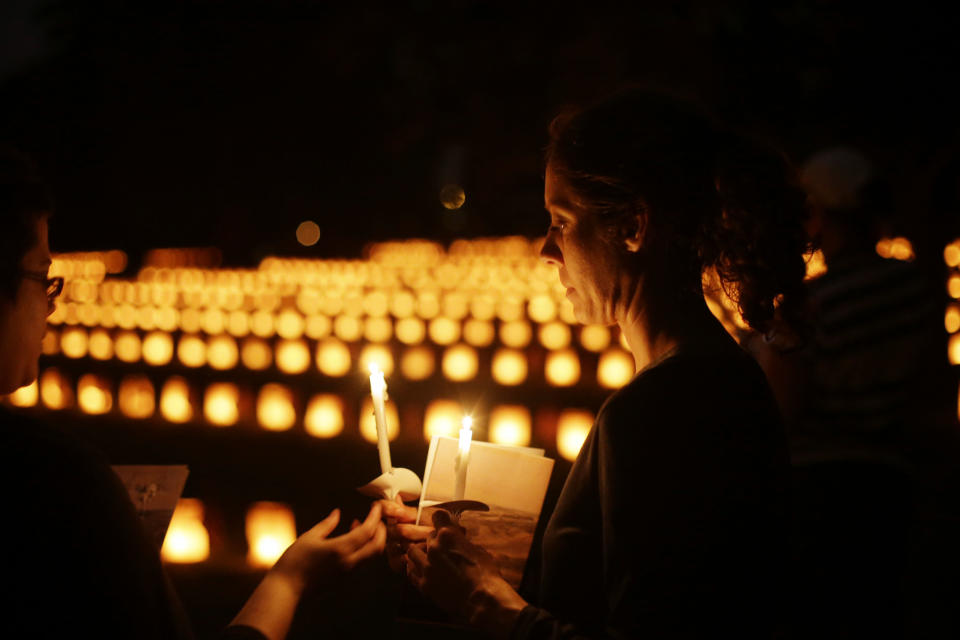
(572, 429)
(510, 425)
(459, 363)
(270, 528)
(562, 368)
(293, 356)
(333, 358)
(136, 397)
(324, 416)
(94, 395)
(275, 410)
(452, 197)
(187, 539)
(442, 418)
(175, 405)
(417, 363)
(509, 367)
(157, 348)
(221, 404)
(615, 368)
(308, 233)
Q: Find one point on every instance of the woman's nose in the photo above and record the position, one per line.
(550, 253)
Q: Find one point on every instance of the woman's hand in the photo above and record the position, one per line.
(312, 559)
(463, 578)
(401, 531)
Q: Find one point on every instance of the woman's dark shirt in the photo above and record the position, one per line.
(672, 521)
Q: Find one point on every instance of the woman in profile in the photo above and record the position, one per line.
(672, 521)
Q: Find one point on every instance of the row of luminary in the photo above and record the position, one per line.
(276, 407)
(951, 320)
(333, 357)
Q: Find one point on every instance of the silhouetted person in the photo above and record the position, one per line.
(76, 561)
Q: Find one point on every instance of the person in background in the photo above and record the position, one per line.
(859, 400)
(77, 561)
(672, 521)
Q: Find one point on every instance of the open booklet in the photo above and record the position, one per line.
(511, 481)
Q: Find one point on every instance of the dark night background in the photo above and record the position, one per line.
(220, 123)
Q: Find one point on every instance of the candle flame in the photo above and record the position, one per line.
(467, 422)
(374, 368)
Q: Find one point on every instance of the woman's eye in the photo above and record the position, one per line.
(558, 226)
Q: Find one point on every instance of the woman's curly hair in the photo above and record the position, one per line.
(709, 199)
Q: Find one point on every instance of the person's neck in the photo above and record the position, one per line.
(652, 341)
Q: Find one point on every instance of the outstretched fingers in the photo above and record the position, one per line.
(372, 547)
(363, 533)
(326, 526)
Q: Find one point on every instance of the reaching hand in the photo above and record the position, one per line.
(314, 557)
(463, 578)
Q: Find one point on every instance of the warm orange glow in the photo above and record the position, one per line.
(213, 321)
(403, 304)
(479, 333)
(417, 363)
(376, 354)
(953, 286)
(410, 330)
(238, 323)
(483, 307)
(510, 308)
(290, 324)
(368, 425)
(428, 304)
(554, 335)
(562, 368)
(951, 319)
(378, 329)
(317, 326)
(175, 403)
(455, 305)
(256, 354)
(187, 540)
(816, 264)
(509, 367)
(222, 352)
(25, 396)
(168, 319)
(127, 346)
(221, 404)
(275, 408)
(100, 345)
(157, 348)
(293, 356)
(951, 254)
(271, 528)
(261, 323)
(324, 417)
(615, 368)
(308, 233)
(516, 334)
(459, 363)
(542, 308)
(136, 397)
(510, 425)
(348, 328)
(572, 429)
(595, 337)
(444, 331)
(55, 390)
(73, 342)
(94, 395)
(442, 418)
(191, 351)
(953, 349)
(191, 320)
(333, 358)
(896, 248)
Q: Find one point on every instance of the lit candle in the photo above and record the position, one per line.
(378, 389)
(463, 457)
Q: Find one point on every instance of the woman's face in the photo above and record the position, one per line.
(589, 265)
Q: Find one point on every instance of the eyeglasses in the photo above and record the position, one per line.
(54, 285)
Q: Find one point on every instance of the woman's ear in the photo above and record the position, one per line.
(634, 236)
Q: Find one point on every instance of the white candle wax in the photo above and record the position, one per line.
(463, 458)
(377, 390)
